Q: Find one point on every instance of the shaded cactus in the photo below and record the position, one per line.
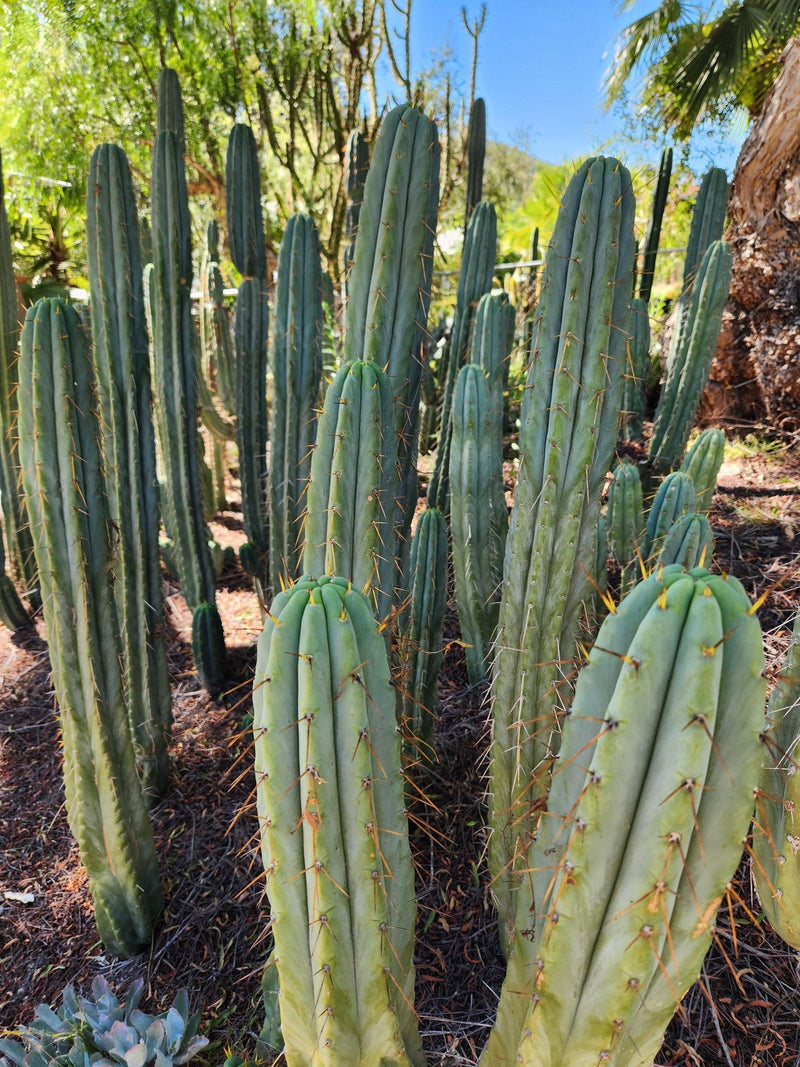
(421, 651)
(15, 532)
(478, 513)
(243, 204)
(215, 332)
(625, 524)
(776, 857)
(702, 463)
(689, 542)
(635, 380)
(296, 358)
(122, 363)
(474, 279)
(62, 477)
(174, 362)
(566, 443)
(689, 362)
(643, 830)
(653, 234)
(356, 168)
(334, 836)
(349, 528)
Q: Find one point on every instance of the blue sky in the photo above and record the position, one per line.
(540, 69)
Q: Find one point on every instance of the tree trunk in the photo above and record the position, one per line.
(756, 369)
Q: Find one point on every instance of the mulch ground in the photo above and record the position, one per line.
(744, 1011)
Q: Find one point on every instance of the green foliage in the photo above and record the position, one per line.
(699, 62)
(100, 1030)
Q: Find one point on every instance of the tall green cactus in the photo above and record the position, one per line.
(63, 482)
(689, 541)
(625, 524)
(215, 331)
(349, 527)
(776, 857)
(122, 361)
(476, 152)
(675, 497)
(174, 359)
(334, 835)
(653, 234)
(478, 513)
(420, 646)
(18, 543)
(249, 255)
(644, 827)
(566, 445)
(474, 279)
(389, 288)
(689, 361)
(635, 382)
(296, 366)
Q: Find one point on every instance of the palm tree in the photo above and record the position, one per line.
(699, 61)
(706, 61)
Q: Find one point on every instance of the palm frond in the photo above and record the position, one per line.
(642, 39)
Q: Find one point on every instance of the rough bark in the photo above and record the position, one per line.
(756, 369)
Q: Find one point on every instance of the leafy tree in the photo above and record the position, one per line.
(699, 63)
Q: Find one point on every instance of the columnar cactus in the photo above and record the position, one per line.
(689, 361)
(474, 279)
(644, 827)
(63, 482)
(174, 359)
(635, 382)
(421, 650)
(776, 857)
(334, 836)
(702, 463)
(675, 497)
(349, 528)
(689, 542)
(566, 443)
(493, 336)
(625, 524)
(653, 234)
(215, 331)
(18, 543)
(708, 222)
(476, 151)
(478, 513)
(296, 359)
(122, 361)
(389, 288)
(356, 168)
(248, 252)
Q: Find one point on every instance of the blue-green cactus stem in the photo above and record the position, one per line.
(63, 482)
(122, 361)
